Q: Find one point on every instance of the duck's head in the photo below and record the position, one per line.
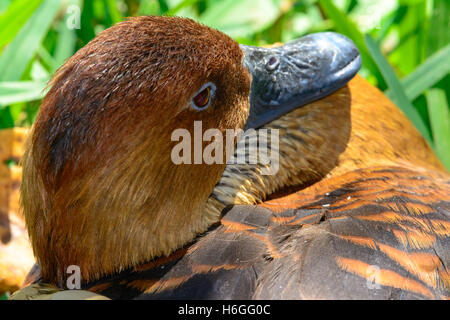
(100, 188)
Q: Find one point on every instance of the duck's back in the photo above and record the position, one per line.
(381, 232)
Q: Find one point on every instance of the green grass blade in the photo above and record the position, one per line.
(241, 18)
(86, 32)
(185, 3)
(347, 27)
(45, 57)
(112, 11)
(4, 6)
(148, 8)
(398, 93)
(20, 91)
(393, 19)
(427, 74)
(16, 111)
(39, 72)
(163, 6)
(16, 57)
(440, 123)
(67, 38)
(14, 18)
(65, 46)
(439, 23)
(6, 118)
(409, 51)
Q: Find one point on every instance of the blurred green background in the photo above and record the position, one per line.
(404, 44)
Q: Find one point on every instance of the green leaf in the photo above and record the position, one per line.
(112, 11)
(6, 119)
(185, 3)
(389, 21)
(67, 38)
(241, 18)
(440, 123)
(86, 31)
(14, 18)
(163, 6)
(16, 111)
(413, 38)
(4, 6)
(369, 14)
(38, 72)
(16, 57)
(347, 27)
(427, 74)
(439, 22)
(148, 8)
(45, 57)
(398, 93)
(20, 91)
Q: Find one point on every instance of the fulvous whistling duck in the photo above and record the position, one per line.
(358, 208)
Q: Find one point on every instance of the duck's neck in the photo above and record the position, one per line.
(311, 138)
(354, 128)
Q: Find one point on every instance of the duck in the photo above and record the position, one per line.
(358, 206)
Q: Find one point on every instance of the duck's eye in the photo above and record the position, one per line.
(202, 98)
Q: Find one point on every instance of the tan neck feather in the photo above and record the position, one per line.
(354, 128)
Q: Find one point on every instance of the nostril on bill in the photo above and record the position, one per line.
(272, 63)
